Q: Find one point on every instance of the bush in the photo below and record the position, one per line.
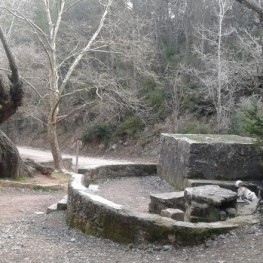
(131, 126)
(97, 133)
(249, 119)
(156, 97)
(196, 127)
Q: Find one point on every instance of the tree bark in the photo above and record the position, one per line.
(11, 92)
(11, 165)
(11, 96)
(54, 146)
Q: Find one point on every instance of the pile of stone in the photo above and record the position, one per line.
(209, 203)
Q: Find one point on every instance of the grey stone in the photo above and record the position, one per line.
(62, 204)
(210, 194)
(222, 215)
(52, 208)
(162, 201)
(214, 157)
(100, 217)
(175, 214)
(118, 170)
(224, 184)
(205, 203)
(231, 212)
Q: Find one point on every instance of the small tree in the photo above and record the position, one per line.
(57, 82)
(216, 73)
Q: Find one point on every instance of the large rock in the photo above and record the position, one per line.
(208, 203)
(214, 157)
(11, 165)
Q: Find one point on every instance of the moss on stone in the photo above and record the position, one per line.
(214, 138)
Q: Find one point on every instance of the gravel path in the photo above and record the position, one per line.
(29, 237)
(133, 192)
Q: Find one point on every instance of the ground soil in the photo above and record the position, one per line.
(29, 236)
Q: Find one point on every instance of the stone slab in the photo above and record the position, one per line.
(224, 184)
(209, 194)
(162, 201)
(52, 208)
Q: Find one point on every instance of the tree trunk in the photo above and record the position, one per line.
(11, 92)
(11, 96)
(54, 146)
(11, 165)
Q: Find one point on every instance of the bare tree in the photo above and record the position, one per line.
(216, 76)
(57, 82)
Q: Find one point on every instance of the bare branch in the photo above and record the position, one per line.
(86, 49)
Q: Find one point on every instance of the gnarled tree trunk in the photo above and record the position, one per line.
(11, 96)
(11, 164)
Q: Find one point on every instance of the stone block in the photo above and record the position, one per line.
(52, 208)
(206, 203)
(62, 204)
(175, 214)
(231, 212)
(162, 201)
(213, 157)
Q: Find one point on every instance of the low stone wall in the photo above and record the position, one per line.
(100, 217)
(118, 170)
(212, 157)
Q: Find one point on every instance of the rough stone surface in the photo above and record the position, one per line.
(97, 216)
(205, 203)
(224, 184)
(175, 214)
(162, 201)
(116, 171)
(215, 157)
(11, 165)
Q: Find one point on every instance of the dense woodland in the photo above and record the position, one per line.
(105, 71)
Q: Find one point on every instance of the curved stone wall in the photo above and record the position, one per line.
(97, 216)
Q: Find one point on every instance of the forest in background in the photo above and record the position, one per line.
(156, 66)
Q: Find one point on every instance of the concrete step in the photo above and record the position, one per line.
(52, 208)
(61, 205)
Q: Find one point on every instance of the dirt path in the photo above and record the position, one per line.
(15, 204)
(84, 162)
(28, 237)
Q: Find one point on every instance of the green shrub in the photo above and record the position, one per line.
(249, 119)
(156, 97)
(131, 126)
(97, 133)
(195, 127)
